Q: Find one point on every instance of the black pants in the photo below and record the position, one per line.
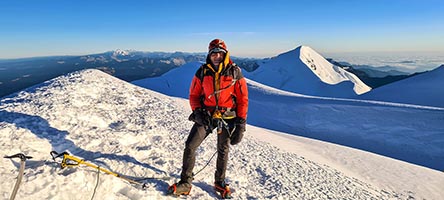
(196, 137)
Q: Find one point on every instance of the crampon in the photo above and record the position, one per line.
(223, 189)
(178, 189)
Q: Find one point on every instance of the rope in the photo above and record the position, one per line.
(165, 178)
(97, 183)
(206, 164)
(220, 90)
(230, 133)
(55, 155)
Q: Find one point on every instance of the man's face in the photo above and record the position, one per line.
(217, 58)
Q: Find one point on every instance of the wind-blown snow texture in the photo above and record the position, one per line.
(304, 71)
(140, 133)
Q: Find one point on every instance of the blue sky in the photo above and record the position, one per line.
(250, 28)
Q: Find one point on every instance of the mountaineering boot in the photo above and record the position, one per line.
(223, 189)
(181, 188)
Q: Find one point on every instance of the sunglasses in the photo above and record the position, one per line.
(217, 50)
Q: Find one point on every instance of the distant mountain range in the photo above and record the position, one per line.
(371, 70)
(128, 65)
(374, 77)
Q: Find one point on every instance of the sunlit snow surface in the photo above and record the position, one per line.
(141, 133)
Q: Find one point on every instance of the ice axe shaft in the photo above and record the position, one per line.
(23, 158)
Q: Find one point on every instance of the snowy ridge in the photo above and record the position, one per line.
(140, 133)
(273, 91)
(305, 71)
(423, 89)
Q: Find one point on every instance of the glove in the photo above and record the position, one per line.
(239, 130)
(199, 117)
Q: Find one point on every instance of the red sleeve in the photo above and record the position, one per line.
(241, 91)
(195, 93)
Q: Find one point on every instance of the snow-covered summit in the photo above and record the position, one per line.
(423, 89)
(305, 71)
(141, 133)
(119, 52)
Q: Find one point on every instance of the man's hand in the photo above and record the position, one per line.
(239, 130)
(199, 117)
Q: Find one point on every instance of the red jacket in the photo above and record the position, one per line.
(225, 89)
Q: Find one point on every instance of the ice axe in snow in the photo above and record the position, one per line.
(23, 158)
(72, 161)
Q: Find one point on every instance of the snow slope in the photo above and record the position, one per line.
(398, 131)
(423, 89)
(176, 81)
(140, 133)
(304, 71)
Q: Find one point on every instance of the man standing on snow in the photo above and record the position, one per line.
(219, 99)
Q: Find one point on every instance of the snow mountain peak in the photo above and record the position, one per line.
(305, 71)
(119, 52)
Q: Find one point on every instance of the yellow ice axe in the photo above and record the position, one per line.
(72, 161)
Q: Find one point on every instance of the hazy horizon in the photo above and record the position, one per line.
(351, 53)
(250, 28)
(408, 60)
